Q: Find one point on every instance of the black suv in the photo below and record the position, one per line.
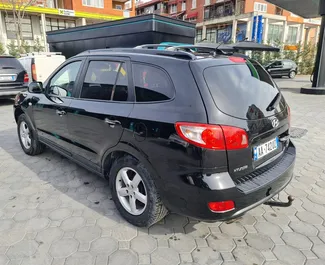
(203, 136)
(281, 68)
(13, 77)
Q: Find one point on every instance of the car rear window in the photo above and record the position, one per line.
(238, 88)
(10, 63)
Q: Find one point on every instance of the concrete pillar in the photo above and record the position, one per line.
(43, 25)
(249, 28)
(301, 38)
(204, 32)
(3, 34)
(317, 35)
(81, 22)
(234, 31)
(284, 32)
(265, 30)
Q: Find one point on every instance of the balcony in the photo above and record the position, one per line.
(224, 9)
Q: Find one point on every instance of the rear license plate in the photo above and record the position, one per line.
(7, 78)
(266, 148)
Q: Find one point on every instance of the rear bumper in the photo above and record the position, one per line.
(192, 200)
(11, 91)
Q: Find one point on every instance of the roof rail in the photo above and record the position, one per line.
(40, 53)
(175, 54)
(152, 46)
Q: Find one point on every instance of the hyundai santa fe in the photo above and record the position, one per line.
(203, 136)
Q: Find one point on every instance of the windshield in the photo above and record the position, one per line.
(10, 63)
(238, 88)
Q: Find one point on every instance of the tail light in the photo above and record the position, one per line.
(221, 207)
(217, 137)
(26, 78)
(237, 59)
(34, 75)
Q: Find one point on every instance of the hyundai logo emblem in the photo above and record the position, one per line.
(275, 122)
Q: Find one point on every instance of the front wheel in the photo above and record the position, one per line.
(292, 74)
(134, 192)
(27, 139)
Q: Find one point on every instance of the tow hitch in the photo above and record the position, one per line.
(274, 203)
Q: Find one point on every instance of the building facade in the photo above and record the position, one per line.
(49, 15)
(236, 20)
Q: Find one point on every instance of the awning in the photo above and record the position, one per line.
(192, 15)
(177, 14)
(303, 8)
(140, 5)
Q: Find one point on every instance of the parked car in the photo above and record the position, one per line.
(13, 77)
(207, 138)
(39, 65)
(281, 68)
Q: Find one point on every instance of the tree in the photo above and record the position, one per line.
(18, 9)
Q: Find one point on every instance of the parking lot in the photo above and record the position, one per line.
(55, 212)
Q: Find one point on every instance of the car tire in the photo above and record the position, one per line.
(146, 212)
(292, 74)
(27, 138)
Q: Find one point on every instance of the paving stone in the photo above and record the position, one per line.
(309, 254)
(144, 259)
(297, 240)
(49, 205)
(72, 223)
(9, 238)
(123, 257)
(310, 217)
(63, 248)
(248, 256)
(221, 242)
(144, 244)
(268, 255)
(3, 260)
(37, 224)
(248, 219)
(104, 246)
(268, 229)
(201, 243)
(60, 214)
(319, 250)
(175, 221)
(315, 262)
(124, 232)
(206, 256)
(234, 229)
(259, 242)
(163, 256)
(197, 230)
(289, 254)
(160, 231)
(227, 256)
(80, 258)
(25, 248)
(109, 222)
(182, 243)
(303, 228)
(24, 215)
(49, 235)
(186, 257)
(276, 262)
(88, 233)
(6, 224)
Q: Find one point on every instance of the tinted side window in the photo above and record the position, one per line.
(10, 63)
(105, 80)
(151, 84)
(63, 82)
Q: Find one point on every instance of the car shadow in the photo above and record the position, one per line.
(4, 102)
(77, 186)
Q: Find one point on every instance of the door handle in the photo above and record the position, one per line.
(112, 123)
(60, 112)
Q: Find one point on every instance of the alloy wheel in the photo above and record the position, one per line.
(25, 135)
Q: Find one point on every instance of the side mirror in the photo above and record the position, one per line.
(35, 87)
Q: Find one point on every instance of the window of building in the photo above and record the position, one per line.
(211, 35)
(207, 2)
(118, 7)
(93, 3)
(151, 84)
(193, 4)
(62, 84)
(198, 35)
(26, 27)
(173, 9)
(56, 24)
(292, 35)
(275, 33)
(183, 6)
(105, 80)
(279, 11)
(260, 7)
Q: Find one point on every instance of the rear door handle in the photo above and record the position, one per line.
(112, 123)
(60, 112)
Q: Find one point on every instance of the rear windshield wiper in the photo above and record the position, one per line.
(274, 102)
(8, 67)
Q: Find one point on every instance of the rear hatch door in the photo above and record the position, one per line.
(11, 73)
(246, 97)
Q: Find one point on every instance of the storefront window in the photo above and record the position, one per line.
(198, 35)
(292, 35)
(26, 27)
(211, 35)
(275, 33)
(56, 24)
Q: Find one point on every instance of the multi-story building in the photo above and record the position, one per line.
(49, 15)
(236, 20)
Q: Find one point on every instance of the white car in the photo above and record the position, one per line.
(39, 65)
